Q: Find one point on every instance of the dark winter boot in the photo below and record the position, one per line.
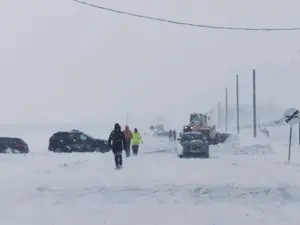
(135, 149)
(127, 152)
(116, 160)
(120, 160)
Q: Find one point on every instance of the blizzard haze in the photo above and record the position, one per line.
(62, 61)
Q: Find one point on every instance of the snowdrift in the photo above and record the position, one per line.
(245, 145)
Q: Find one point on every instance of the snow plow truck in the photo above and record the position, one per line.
(199, 122)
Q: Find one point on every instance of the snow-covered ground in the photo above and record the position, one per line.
(155, 188)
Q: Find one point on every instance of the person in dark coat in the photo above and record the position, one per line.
(174, 135)
(117, 143)
(170, 134)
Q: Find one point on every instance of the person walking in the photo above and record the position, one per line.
(117, 143)
(174, 135)
(170, 134)
(136, 141)
(128, 136)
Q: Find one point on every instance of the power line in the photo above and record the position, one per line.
(187, 24)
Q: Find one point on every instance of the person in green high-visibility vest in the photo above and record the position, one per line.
(136, 141)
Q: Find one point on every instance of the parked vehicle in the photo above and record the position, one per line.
(193, 144)
(76, 141)
(159, 130)
(13, 145)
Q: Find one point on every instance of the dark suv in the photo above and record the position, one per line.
(76, 141)
(13, 145)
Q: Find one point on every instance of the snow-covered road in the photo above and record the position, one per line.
(152, 189)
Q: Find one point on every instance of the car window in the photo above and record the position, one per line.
(71, 136)
(56, 136)
(2, 140)
(186, 138)
(182, 139)
(11, 141)
(6, 140)
(83, 137)
(88, 136)
(19, 141)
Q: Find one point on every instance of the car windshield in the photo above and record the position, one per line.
(192, 137)
(3, 140)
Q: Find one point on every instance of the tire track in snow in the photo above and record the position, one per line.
(181, 194)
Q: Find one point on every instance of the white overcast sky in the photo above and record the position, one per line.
(61, 61)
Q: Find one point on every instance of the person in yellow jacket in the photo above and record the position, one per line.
(136, 141)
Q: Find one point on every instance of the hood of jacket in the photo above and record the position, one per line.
(117, 127)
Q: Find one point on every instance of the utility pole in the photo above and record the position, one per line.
(237, 106)
(211, 119)
(219, 115)
(226, 110)
(254, 105)
(299, 133)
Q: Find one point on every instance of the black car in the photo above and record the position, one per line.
(13, 145)
(76, 141)
(193, 144)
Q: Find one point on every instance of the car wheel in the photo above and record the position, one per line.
(98, 149)
(9, 150)
(6, 150)
(58, 150)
